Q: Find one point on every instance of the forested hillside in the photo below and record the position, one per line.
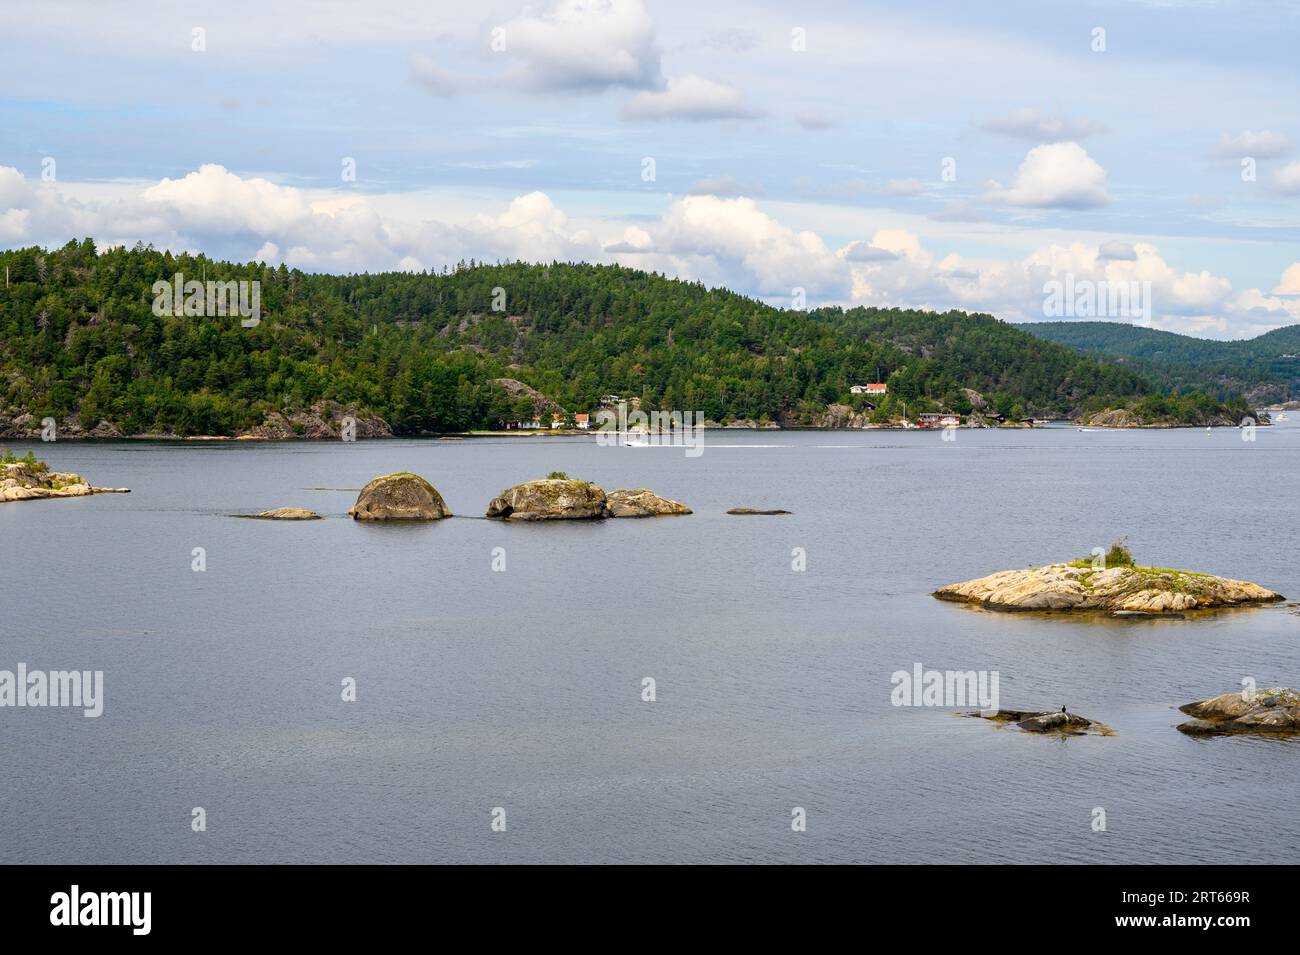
(80, 341)
(1265, 368)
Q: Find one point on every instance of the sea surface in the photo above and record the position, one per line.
(520, 689)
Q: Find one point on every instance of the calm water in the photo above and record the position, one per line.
(521, 689)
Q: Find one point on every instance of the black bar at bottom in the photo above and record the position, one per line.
(337, 903)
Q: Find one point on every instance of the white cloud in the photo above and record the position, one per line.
(690, 98)
(585, 45)
(1056, 175)
(1033, 124)
(1290, 282)
(733, 242)
(1264, 144)
(1287, 179)
(213, 199)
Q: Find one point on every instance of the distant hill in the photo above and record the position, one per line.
(428, 352)
(1264, 369)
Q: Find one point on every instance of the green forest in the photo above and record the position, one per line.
(79, 337)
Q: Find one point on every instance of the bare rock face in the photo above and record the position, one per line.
(642, 502)
(839, 416)
(1271, 711)
(517, 389)
(287, 514)
(31, 482)
(399, 497)
(1113, 418)
(1146, 590)
(325, 419)
(552, 499)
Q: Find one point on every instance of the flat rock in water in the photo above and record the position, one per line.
(33, 482)
(642, 502)
(1272, 711)
(399, 497)
(285, 514)
(751, 510)
(1128, 590)
(1048, 721)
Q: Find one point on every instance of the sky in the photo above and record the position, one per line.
(924, 154)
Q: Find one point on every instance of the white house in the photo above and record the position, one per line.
(877, 388)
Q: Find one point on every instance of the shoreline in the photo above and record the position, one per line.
(1052, 425)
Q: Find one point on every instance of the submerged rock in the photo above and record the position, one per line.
(27, 481)
(399, 497)
(1048, 721)
(750, 510)
(1146, 615)
(1272, 711)
(285, 514)
(1077, 586)
(550, 500)
(642, 502)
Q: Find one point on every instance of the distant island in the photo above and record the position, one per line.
(86, 349)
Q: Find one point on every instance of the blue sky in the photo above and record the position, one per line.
(935, 155)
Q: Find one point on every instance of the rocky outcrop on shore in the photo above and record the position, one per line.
(21, 424)
(322, 421)
(550, 499)
(516, 389)
(839, 416)
(1048, 721)
(641, 502)
(285, 514)
(402, 496)
(1272, 711)
(26, 481)
(747, 424)
(325, 419)
(1079, 587)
